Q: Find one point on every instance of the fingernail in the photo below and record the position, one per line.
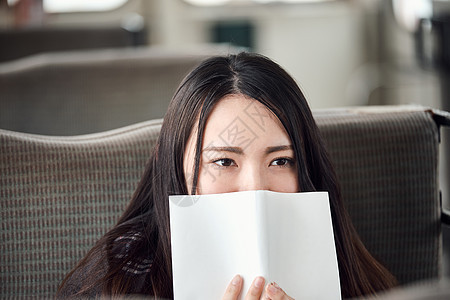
(259, 281)
(273, 288)
(236, 280)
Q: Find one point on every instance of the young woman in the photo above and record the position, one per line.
(235, 123)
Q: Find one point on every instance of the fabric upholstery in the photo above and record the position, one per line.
(60, 194)
(387, 164)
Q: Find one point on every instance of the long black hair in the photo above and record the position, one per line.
(147, 215)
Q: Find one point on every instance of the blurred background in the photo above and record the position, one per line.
(341, 52)
(77, 67)
(71, 67)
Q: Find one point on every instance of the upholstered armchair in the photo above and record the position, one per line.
(60, 194)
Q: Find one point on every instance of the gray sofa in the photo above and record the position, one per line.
(60, 194)
(80, 92)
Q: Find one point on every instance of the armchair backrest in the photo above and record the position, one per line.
(60, 194)
(386, 159)
(82, 92)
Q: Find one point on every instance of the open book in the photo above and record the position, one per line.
(285, 237)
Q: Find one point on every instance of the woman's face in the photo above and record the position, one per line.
(245, 147)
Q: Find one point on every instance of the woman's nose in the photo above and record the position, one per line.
(252, 179)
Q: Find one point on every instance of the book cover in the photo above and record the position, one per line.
(284, 237)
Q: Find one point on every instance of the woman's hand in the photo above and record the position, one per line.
(256, 290)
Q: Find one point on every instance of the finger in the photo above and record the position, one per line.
(274, 292)
(234, 289)
(256, 289)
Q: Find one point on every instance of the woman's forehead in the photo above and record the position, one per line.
(239, 121)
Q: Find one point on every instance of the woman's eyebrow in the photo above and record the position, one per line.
(278, 148)
(237, 150)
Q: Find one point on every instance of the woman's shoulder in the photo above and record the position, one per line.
(125, 257)
(76, 284)
(129, 251)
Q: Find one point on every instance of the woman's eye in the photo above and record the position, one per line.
(224, 162)
(282, 162)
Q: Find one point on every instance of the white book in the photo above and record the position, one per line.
(285, 237)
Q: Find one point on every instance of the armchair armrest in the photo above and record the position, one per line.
(445, 216)
(442, 118)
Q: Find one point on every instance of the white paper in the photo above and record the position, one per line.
(284, 237)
